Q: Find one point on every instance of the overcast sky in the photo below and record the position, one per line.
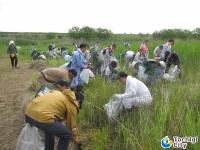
(120, 16)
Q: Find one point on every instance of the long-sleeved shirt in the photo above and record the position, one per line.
(53, 106)
(166, 48)
(12, 49)
(78, 61)
(158, 51)
(135, 88)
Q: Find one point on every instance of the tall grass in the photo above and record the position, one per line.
(175, 109)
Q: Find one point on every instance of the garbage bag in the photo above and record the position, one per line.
(29, 139)
(113, 108)
(141, 73)
(173, 73)
(67, 58)
(85, 75)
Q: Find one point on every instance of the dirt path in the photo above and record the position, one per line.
(14, 93)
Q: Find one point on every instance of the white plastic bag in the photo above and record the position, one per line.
(141, 73)
(113, 108)
(85, 75)
(144, 100)
(29, 139)
(173, 73)
(116, 105)
(67, 58)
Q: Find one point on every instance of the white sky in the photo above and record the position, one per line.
(121, 16)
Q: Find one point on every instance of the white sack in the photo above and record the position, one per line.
(29, 139)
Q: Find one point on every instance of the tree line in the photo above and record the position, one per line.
(89, 33)
(177, 33)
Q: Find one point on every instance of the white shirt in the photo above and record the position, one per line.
(135, 88)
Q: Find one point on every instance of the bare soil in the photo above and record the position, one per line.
(14, 94)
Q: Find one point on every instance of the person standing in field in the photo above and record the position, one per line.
(12, 51)
(79, 63)
(108, 54)
(47, 113)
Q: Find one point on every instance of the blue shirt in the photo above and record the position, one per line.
(78, 63)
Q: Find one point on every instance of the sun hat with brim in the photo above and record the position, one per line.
(64, 83)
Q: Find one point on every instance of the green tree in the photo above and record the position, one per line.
(89, 33)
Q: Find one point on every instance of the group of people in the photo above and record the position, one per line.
(59, 98)
(61, 94)
(149, 70)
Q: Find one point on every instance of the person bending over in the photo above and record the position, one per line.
(47, 113)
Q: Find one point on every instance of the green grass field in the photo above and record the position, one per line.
(175, 109)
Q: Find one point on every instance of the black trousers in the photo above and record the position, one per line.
(14, 61)
(51, 130)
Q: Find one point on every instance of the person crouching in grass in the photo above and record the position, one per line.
(47, 113)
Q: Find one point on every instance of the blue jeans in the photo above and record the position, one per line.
(51, 130)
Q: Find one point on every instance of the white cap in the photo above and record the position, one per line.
(11, 42)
